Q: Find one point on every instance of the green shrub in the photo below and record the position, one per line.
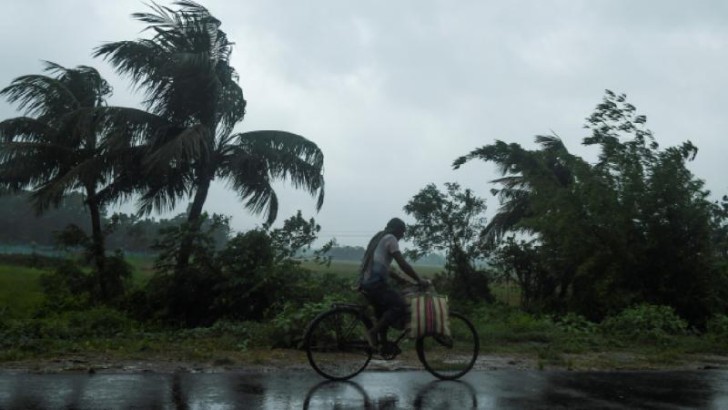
(24, 333)
(99, 322)
(572, 323)
(645, 323)
(116, 276)
(67, 288)
(94, 323)
(290, 325)
(498, 323)
(73, 287)
(718, 326)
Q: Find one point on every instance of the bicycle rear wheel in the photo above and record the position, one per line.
(335, 343)
(450, 358)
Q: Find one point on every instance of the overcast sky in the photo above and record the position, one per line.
(394, 91)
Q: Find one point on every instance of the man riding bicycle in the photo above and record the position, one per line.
(389, 305)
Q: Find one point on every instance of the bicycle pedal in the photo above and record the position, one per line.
(389, 351)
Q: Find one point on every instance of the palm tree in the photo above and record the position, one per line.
(185, 72)
(56, 147)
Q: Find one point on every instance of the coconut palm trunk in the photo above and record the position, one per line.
(98, 247)
(193, 218)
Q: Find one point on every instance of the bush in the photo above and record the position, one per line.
(21, 333)
(67, 288)
(251, 282)
(572, 323)
(717, 326)
(498, 322)
(99, 322)
(645, 323)
(72, 287)
(116, 277)
(290, 325)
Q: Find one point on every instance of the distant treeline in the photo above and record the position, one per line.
(20, 225)
(355, 253)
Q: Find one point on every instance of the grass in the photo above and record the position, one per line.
(142, 268)
(20, 292)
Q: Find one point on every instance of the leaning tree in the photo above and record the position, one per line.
(184, 70)
(57, 147)
(635, 226)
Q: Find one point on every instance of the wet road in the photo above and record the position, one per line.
(375, 390)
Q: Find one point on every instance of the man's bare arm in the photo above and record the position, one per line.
(406, 267)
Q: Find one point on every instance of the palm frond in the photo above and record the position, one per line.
(86, 84)
(284, 156)
(184, 68)
(162, 192)
(25, 129)
(507, 157)
(190, 144)
(162, 16)
(511, 182)
(550, 142)
(40, 96)
(142, 61)
(123, 127)
(257, 192)
(51, 192)
(14, 149)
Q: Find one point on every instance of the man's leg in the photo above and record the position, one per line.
(372, 296)
(394, 307)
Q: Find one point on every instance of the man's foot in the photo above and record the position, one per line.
(389, 350)
(371, 338)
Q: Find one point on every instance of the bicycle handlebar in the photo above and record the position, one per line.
(426, 286)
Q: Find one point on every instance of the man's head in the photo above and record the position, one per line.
(396, 227)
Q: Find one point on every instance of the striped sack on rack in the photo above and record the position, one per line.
(429, 315)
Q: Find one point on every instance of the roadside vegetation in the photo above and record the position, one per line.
(35, 330)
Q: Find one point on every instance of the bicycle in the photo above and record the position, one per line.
(337, 349)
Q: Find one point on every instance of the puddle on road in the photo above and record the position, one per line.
(374, 390)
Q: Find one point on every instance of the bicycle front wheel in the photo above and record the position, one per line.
(336, 345)
(449, 358)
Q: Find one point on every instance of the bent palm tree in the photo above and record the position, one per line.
(525, 175)
(188, 81)
(56, 147)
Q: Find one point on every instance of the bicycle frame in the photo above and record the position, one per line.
(363, 310)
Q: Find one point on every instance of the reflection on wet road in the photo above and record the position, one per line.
(372, 390)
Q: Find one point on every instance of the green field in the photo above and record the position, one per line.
(20, 292)
(142, 268)
(21, 295)
(506, 293)
(351, 268)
